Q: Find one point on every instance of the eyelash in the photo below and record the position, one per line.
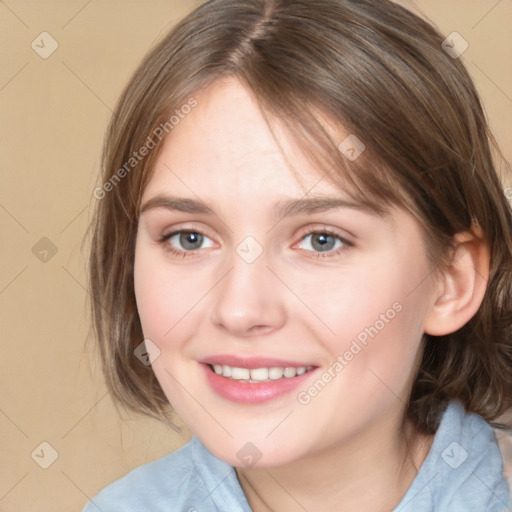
(328, 254)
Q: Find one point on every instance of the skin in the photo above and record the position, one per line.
(290, 303)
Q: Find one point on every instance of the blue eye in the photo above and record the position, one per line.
(324, 243)
(186, 240)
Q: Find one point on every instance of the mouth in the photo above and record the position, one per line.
(254, 380)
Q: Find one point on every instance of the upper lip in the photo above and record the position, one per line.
(252, 362)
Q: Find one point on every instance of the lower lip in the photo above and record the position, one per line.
(252, 393)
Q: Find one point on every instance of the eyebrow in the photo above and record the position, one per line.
(306, 205)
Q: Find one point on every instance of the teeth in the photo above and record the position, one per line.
(240, 373)
(291, 372)
(259, 374)
(275, 373)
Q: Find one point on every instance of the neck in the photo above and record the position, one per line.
(371, 472)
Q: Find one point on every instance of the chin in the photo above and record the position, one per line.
(251, 454)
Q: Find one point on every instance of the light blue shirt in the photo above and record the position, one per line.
(463, 472)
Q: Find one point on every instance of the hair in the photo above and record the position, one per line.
(379, 71)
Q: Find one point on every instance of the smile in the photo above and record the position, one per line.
(255, 380)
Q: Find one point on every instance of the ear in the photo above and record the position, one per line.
(461, 287)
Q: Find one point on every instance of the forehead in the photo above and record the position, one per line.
(225, 142)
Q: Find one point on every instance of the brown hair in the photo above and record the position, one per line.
(381, 72)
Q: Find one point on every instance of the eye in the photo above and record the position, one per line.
(323, 241)
(183, 241)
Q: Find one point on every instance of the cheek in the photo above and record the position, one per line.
(375, 317)
(350, 302)
(165, 299)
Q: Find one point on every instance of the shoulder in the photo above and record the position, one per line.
(464, 470)
(471, 463)
(176, 482)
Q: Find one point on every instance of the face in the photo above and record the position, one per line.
(292, 326)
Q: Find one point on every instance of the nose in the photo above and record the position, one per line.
(248, 300)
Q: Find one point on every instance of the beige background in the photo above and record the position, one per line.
(54, 113)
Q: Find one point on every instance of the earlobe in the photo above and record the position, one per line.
(462, 285)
